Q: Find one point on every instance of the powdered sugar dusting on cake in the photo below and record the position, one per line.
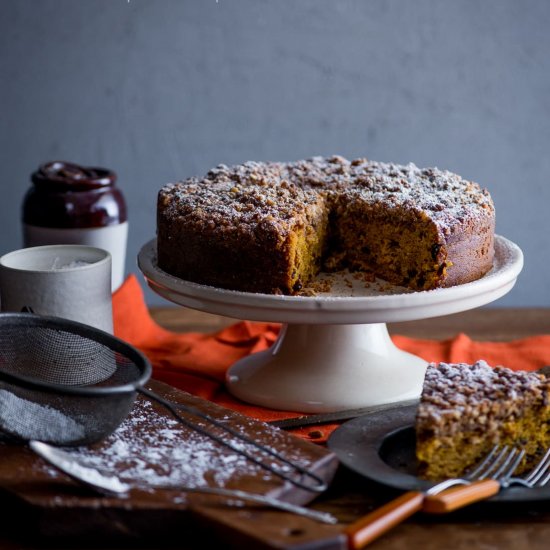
(246, 203)
(447, 197)
(260, 190)
(444, 195)
(476, 395)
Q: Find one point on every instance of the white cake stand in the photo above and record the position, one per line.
(334, 351)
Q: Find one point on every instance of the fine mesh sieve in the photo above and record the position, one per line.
(67, 383)
(63, 382)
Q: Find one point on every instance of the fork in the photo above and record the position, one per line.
(488, 483)
(492, 474)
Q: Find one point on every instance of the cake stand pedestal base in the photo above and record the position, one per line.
(325, 368)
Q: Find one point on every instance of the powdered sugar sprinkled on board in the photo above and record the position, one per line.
(170, 455)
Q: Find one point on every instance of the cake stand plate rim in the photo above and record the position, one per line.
(336, 309)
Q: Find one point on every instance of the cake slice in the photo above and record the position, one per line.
(466, 409)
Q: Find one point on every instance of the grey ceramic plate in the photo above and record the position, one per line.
(381, 447)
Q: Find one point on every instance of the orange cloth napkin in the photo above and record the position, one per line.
(196, 362)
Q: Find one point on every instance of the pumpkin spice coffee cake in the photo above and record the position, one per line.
(270, 227)
(465, 410)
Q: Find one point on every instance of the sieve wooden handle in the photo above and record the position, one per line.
(373, 525)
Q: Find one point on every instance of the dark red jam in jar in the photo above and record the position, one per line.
(72, 204)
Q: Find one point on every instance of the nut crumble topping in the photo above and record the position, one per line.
(460, 396)
(251, 191)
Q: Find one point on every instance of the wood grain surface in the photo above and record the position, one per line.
(485, 324)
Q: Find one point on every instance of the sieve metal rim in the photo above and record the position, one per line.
(29, 320)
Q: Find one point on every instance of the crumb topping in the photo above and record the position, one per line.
(224, 204)
(459, 396)
(254, 191)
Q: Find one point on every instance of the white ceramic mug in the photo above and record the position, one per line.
(68, 281)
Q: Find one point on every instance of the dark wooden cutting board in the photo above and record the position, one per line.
(150, 447)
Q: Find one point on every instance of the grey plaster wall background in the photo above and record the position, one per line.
(159, 90)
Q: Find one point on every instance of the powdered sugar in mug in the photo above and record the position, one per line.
(68, 281)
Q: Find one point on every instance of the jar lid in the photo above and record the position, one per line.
(72, 177)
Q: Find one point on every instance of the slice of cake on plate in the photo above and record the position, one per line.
(465, 410)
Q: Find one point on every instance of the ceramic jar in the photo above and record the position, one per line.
(71, 204)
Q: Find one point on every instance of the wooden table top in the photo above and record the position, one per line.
(505, 527)
(508, 526)
(494, 324)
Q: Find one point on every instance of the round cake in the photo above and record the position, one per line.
(270, 227)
